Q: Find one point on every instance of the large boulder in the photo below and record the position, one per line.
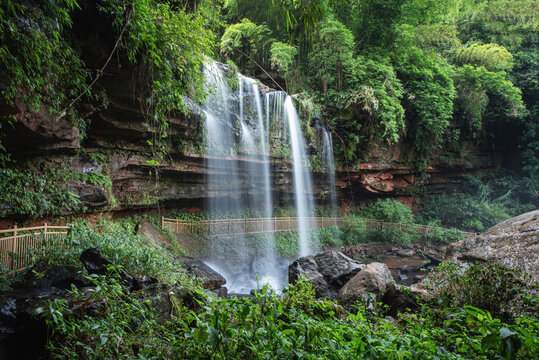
(513, 243)
(210, 278)
(369, 284)
(327, 271)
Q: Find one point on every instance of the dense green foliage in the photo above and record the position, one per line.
(481, 203)
(166, 42)
(41, 188)
(110, 322)
(433, 78)
(295, 326)
(35, 192)
(118, 242)
(506, 293)
(36, 61)
(438, 76)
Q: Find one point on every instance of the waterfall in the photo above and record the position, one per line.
(243, 128)
(220, 143)
(303, 185)
(328, 164)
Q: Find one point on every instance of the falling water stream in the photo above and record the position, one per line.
(240, 127)
(328, 163)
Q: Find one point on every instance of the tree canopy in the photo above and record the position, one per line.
(437, 76)
(430, 76)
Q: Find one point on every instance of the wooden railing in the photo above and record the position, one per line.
(18, 246)
(278, 224)
(243, 226)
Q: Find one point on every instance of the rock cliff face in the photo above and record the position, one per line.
(513, 243)
(120, 132)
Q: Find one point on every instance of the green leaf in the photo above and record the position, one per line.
(490, 341)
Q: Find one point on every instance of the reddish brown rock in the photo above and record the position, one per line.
(38, 133)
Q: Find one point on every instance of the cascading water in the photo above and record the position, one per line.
(328, 163)
(220, 144)
(303, 184)
(240, 176)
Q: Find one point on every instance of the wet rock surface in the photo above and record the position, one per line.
(513, 243)
(89, 195)
(327, 271)
(408, 263)
(210, 278)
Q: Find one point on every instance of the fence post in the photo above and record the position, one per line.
(162, 222)
(13, 248)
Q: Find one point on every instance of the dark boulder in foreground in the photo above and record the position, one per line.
(18, 326)
(513, 243)
(327, 271)
(96, 263)
(210, 278)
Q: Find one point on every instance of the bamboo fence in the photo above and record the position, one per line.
(18, 246)
(279, 224)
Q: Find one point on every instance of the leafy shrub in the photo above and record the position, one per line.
(476, 334)
(444, 236)
(119, 244)
(504, 292)
(331, 236)
(473, 224)
(389, 210)
(482, 203)
(462, 211)
(33, 192)
(287, 243)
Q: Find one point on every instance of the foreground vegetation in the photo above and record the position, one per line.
(107, 321)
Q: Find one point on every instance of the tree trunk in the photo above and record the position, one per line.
(339, 76)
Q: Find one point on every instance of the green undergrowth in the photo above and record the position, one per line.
(108, 321)
(295, 326)
(507, 294)
(287, 242)
(117, 242)
(482, 202)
